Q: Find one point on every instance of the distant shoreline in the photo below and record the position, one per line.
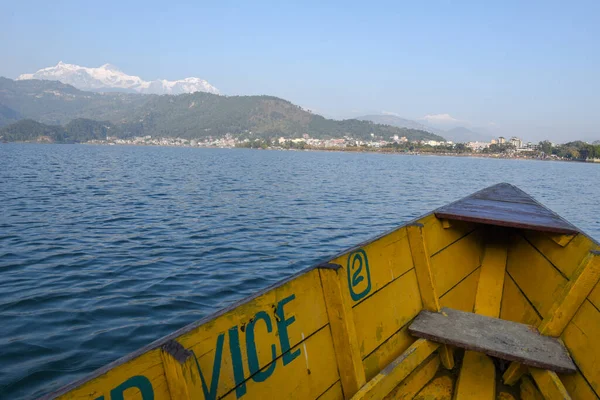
(340, 150)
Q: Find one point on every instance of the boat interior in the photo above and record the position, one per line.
(490, 297)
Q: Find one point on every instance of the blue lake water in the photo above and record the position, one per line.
(105, 249)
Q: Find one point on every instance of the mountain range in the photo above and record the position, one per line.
(109, 78)
(26, 103)
(458, 134)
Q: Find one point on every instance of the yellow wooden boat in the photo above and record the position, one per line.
(490, 297)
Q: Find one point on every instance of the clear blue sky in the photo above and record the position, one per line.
(526, 68)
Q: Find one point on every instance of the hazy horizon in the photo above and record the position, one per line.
(501, 69)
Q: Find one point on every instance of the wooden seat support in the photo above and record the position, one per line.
(495, 337)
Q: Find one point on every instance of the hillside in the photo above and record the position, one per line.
(195, 115)
(77, 131)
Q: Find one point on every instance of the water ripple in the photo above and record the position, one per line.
(105, 249)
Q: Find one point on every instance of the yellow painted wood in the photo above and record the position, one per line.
(446, 224)
(513, 373)
(574, 294)
(529, 391)
(582, 338)
(388, 257)
(478, 374)
(540, 292)
(462, 296)
(561, 240)
(384, 382)
(307, 377)
(341, 322)
(579, 287)
(477, 379)
(577, 386)
(416, 380)
(439, 388)
(388, 310)
(149, 365)
(304, 302)
(439, 237)
(183, 379)
(505, 396)
(387, 352)
(422, 265)
(447, 356)
(456, 262)
(515, 306)
(333, 393)
(429, 296)
(491, 281)
(594, 296)
(549, 384)
(567, 258)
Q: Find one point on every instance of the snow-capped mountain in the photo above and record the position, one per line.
(109, 77)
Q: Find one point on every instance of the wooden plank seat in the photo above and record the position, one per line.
(495, 337)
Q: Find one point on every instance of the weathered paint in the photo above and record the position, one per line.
(549, 384)
(567, 258)
(515, 306)
(579, 287)
(491, 281)
(387, 259)
(562, 311)
(462, 296)
(477, 379)
(529, 391)
(392, 375)
(540, 292)
(427, 284)
(341, 322)
(577, 386)
(439, 388)
(415, 382)
(581, 338)
(396, 305)
(387, 352)
(464, 256)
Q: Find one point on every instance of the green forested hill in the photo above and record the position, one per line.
(77, 131)
(195, 115)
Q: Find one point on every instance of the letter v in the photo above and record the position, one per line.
(211, 394)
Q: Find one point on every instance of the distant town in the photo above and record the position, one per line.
(500, 147)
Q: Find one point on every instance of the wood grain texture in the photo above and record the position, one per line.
(393, 374)
(515, 306)
(477, 379)
(499, 338)
(491, 281)
(581, 338)
(341, 322)
(529, 391)
(388, 310)
(566, 258)
(527, 267)
(181, 372)
(416, 380)
(506, 205)
(579, 287)
(440, 388)
(427, 285)
(549, 384)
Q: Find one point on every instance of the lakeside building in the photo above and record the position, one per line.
(478, 146)
(515, 141)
